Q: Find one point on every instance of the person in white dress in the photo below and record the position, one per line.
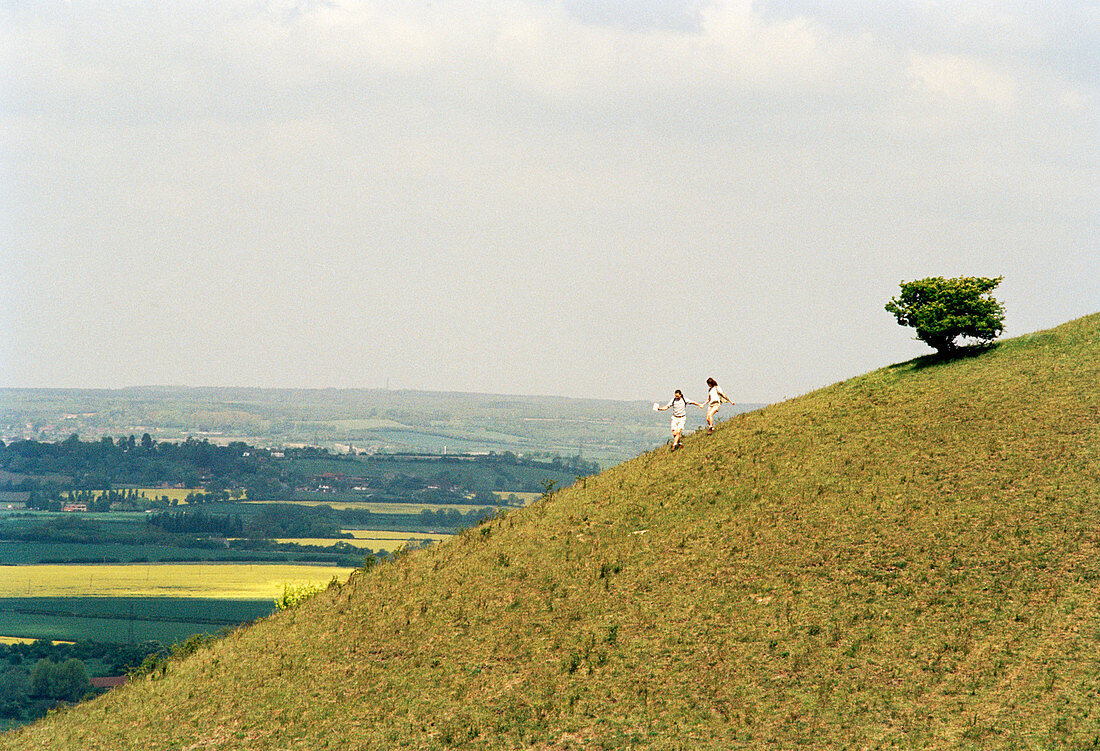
(715, 397)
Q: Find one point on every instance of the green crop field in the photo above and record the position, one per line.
(21, 518)
(162, 603)
(497, 475)
(124, 619)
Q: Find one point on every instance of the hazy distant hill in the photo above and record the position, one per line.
(907, 559)
(600, 430)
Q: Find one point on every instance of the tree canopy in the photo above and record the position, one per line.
(943, 310)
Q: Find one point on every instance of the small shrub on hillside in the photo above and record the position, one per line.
(295, 594)
(192, 644)
(154, 666)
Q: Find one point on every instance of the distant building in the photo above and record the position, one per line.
(75, 507)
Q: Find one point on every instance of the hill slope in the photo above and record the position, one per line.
(909, 558)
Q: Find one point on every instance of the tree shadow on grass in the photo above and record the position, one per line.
(941, 358)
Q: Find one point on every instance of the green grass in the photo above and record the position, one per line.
(909, 559)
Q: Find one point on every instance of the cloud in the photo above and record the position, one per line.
(959, 79)
(530, 49)
(518, 178)
(353, 36)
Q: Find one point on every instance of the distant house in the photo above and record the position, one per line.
(75, 507)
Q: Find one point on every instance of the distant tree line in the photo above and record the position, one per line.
(82, 531)
(284, 520)
(198, 523)
(573, 464)
(453, 518)
(90, 472)
(197, 529)
(98, 465)
(105, 500)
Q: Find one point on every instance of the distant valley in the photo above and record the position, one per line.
(344, 420)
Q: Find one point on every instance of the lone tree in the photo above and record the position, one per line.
(941, 310)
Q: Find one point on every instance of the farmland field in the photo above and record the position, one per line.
(380, 507)
(229, 581)
(20, 517)
(22, 553)
(8, 640)
(144, 602)
(473, 473)
(525, 497)
(179, 495)
(381, 534)
(376, 540)
(124, 619)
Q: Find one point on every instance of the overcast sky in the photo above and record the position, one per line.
(580, 198)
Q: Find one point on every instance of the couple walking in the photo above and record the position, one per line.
(678, 405)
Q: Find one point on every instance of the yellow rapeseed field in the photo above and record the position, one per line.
(381, 534)
(230, 581)
(9, 640)
(370, 539)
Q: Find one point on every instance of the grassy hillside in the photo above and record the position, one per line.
(907, 559)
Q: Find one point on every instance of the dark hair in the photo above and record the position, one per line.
(678, 393)
(711, 382)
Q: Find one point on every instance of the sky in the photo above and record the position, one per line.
(581, 198)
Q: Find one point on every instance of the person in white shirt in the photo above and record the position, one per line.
(715, 397)
(678, 404)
